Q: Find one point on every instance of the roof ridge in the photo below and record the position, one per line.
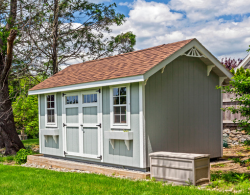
(132, 52)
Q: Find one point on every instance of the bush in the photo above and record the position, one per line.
(21, 155)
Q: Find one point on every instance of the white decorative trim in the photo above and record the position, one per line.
(95, 84)
(121, 125)
(54, 138)
(127, 143)
(209, 69)
(194, 52)
(55, 111)
(162, 70)
(112, 142)
(221, 79)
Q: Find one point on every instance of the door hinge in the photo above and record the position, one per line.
(100, 125)
(63, 94)
(100, 157)
(64, 125)
(99, 90)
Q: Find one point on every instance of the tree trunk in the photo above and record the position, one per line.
(55, 36)
(8, 130)
(1, 142)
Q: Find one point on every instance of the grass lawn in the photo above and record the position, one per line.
(31, 142)
(23, 180)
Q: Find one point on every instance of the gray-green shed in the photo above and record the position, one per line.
(118, 109)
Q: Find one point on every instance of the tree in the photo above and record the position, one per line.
(230, 63)
(8, 34)
(59, 31)
(240, 86)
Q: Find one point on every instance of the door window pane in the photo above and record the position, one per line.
(72, 99)
(115, 91)
(123, 91)
(117, 119)
(123, 109)
(123, 100)
(90, 98)
(116, 100)
(123, 118)
(117, 110)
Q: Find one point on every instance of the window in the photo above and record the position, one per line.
(90, 98)
(72, 99)
(50, 110)
(120, 107)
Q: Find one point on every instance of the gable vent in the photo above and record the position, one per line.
(193, 52)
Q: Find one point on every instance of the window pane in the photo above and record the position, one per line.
(123, 118)
(52, 104)
(48, 97)
(73, 99)
(117, 110)
(95, 97)
(123, 91)
(84, 99)
(123, 100)
(49, 118)
(52, 118)
(115, 91)
(92, 98)
(48, 104)
(123, 109)
(67, 100)
(88, 98)
(70, 99)
(52, 98)
(52, 112)
(77, 99)
(116, 100)
(117, 119)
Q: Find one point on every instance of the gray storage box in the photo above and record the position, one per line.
(180, 168)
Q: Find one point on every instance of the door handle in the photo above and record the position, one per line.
(82, 128)
(100, 125)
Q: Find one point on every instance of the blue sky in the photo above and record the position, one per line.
(223, 26)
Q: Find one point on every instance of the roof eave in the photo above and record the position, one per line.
(96, 84)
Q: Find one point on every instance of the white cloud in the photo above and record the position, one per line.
(155, 23)
(208, 9)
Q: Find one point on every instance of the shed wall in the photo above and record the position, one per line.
(183, 109)
(50, 146)
(120, 154)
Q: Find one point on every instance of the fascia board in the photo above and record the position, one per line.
(244, 62)
(95, 84)
(200, 47)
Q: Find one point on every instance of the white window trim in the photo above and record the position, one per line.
(122, 125)
(46, 122)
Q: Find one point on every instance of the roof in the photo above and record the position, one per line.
(244, 63)
(123, 65)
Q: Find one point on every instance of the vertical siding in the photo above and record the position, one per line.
(51, 147)
(120, 154)
(183, 109)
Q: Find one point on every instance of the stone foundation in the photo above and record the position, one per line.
(234, 137)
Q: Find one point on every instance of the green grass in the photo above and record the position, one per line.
(31, 142)
(6, 159)
(22, 180)
(229, 180)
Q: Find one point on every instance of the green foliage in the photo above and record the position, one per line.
(21, 156)
(25, 108)
(236, 160)
(6, 158)
(240, 86)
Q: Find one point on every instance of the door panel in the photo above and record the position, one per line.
(89, 114)
(72, 137)
(90, 140)
(71, 115)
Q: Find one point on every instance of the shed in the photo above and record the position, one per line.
(117, 110)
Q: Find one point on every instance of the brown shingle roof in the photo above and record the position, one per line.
(123, 65)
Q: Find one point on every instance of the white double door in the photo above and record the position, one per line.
(82, 123)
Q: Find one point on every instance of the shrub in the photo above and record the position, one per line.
(21, 156)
